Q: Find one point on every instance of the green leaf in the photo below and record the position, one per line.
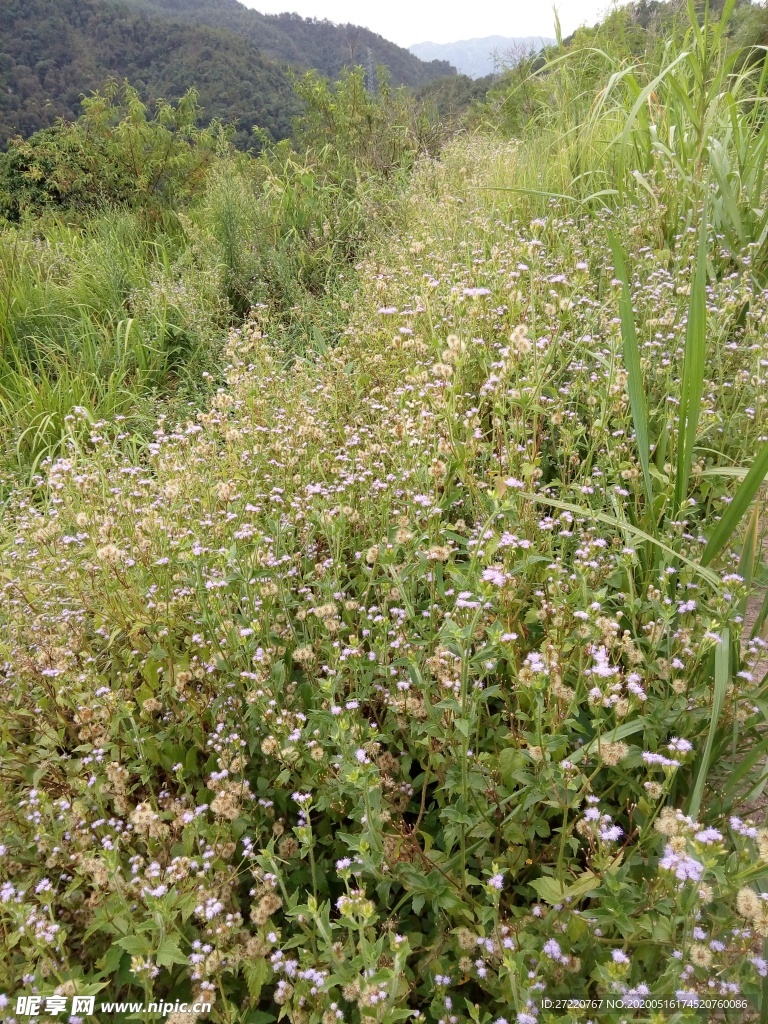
(748, 558)
(552, 892)
(631, 351)
(511, 759)
(761, 616)
(610, 736)
(694, 368)
(256, 974)
(735, 787)
(585, 884)
(190, 761)
(110, 962)
(169, 954)
(737, 507)
(549, 889)
(722, 679)
(134, 944)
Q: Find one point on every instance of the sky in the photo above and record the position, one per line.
(443, 21)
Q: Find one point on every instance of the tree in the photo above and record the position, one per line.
(112, 154)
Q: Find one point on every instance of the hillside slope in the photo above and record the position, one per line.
(54, 51)
(57, 50)
(303, 42)
(325, 678)
(401, 670)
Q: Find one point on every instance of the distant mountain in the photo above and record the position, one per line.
(476, 57)
(52, 52)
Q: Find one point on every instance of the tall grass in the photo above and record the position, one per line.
(683, 136)
(115, 310)
(124, 312)
(692, 128)
(97, 319)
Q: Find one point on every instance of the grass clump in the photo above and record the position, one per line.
(133, 243)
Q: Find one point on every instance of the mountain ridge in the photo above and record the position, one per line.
(474, 57)
(52, 52)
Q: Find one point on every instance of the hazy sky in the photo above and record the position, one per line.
(443, 21)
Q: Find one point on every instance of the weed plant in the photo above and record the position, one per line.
(408, 676)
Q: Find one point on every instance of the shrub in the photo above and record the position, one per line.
(365, 128)
(113, 154)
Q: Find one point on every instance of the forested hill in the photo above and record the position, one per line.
(54, 51)
(303, 42)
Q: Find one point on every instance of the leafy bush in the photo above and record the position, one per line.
(361, 130)
(112, 154)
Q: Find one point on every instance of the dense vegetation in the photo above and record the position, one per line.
(304, 42)
(54, 51)
(382, 570)
(454, 97)
(57, 50)
(138, 238)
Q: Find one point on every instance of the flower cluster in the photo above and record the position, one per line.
(360, 693)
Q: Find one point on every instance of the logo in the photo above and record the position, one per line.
(31, 1006)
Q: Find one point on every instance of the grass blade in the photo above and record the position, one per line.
(631, 350)
(736, 787)
(699, 570)
(722, 679)
(730, 194)
(761, 617)
(694, 366)
(642, 98)
(737, 508)
(748, 558)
